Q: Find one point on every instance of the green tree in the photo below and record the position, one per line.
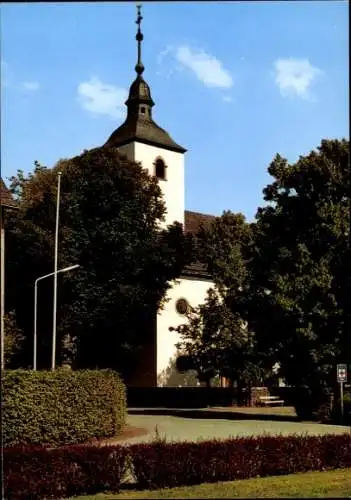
(215, 339)
(110, 213)
(300, 308)
(223, 247)
(172, 377)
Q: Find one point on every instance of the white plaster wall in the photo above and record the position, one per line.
(173, 187)
(194, 291)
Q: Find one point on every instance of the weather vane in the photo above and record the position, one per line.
(140, 17)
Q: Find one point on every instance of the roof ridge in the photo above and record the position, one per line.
(199, 213)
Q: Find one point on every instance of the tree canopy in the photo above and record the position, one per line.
(215, 339)
(110, 213)
(300, 307)
(282, 285)
(286, 277)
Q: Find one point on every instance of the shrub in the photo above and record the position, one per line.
(337, 418)
(180, 397)
(313, 404)
(13, 338)
(61, 407)
(160, 465)
(41, 473)
(38, 472)
(347, 406)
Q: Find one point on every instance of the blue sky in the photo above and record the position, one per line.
(235, 83)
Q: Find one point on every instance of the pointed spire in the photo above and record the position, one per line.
(139, 68)
(139, 125)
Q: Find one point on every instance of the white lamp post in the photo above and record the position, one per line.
(70, 268)
(53, 357)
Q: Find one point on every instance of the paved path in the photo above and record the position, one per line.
(181, 427)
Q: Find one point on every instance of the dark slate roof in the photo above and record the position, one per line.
(140, 126)
(143, 130)
(194, 220)
(192, 223)
(6, 196)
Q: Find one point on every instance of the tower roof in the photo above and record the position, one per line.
(139, 125)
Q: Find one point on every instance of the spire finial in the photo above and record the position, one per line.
(139, 68)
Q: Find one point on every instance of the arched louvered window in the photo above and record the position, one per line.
(160, 169)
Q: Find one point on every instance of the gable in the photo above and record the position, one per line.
(194, 220)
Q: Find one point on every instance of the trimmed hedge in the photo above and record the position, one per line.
(166, 465)
(41, 473)
(61, 407)
(181, 397)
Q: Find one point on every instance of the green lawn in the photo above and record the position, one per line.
(336, 483)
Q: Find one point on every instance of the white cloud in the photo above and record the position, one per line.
(208, 69)
(102, 98)
(164, 53)
(227, 98)
(174, 68)
(30, 86)
(294, 77)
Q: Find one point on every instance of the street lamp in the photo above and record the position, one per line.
(53, 357)
(70, 268)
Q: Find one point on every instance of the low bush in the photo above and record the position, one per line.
(313, 404)
(160, 465)
(346, 419)
(37, 473)
(61, 407)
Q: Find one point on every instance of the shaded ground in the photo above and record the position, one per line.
(129, 432)
(332, 484)
(221, 423)
(279, 413)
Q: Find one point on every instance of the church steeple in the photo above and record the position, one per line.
(139, 125)
(139, 68)
(139, 102)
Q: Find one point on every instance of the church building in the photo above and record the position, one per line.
(142, 140)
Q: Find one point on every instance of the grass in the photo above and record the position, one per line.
(336, 483)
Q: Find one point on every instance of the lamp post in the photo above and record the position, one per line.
(53, 357)
(70, 268)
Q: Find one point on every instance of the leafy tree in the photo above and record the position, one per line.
(223, 247)
(300, 308)
(172, 377)
(110, 213)
(215, 339)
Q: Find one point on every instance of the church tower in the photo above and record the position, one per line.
(142, 140)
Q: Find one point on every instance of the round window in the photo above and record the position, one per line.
(182, 306)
